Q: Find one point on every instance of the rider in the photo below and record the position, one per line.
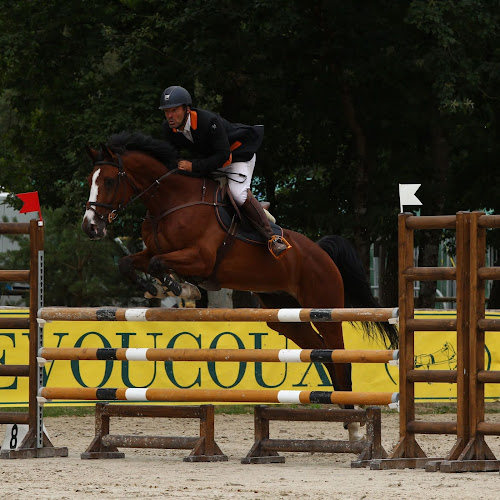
(219, 144)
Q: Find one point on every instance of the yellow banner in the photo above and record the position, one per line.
(434, 350)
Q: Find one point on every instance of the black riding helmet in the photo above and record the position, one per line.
(174, 96)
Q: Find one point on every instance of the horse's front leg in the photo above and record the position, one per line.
(139, 261)
(185, 262)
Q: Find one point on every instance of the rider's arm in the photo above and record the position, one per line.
(218, 152)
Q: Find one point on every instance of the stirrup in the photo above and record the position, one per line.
(278, 239)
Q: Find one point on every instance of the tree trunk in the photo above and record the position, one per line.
(388, 285)
(494, 299)
(361, 181)
(430, 240)
(428, 257)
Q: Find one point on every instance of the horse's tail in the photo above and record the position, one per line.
(357, 291)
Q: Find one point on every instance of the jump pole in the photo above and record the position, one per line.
(237, 355)
(218, 395)
(198, 314)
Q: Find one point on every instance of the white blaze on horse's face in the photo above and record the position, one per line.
(94, 191)
(93, 226)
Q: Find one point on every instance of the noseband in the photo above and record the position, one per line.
(115, 209)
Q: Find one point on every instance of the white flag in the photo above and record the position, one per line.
(407, 195)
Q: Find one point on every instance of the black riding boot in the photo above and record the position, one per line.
(278, 246)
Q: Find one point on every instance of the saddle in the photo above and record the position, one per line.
(225, 211)
(236, 227)
(231, 221)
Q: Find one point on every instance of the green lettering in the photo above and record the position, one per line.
(12, 337)
(75, 363)
(169, 368)
(211, 365)
(258, 366)
(125, 364)
(325, 379)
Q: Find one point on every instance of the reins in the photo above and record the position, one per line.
(123, 175)
(113, 214)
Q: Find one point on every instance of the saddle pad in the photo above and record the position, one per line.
(246, 231)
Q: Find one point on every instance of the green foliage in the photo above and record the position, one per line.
(78, 272)
(355, 97)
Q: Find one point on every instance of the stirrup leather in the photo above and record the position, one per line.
(279, 239)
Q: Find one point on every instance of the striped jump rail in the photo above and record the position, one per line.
(237, 355)
(217, 395)
(199, 314)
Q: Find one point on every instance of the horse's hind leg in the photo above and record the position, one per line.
(323, 289)
(342, 371)
(328, 295)
(297, 333)
(306, 337)
(340, 374)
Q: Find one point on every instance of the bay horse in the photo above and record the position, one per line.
(182, 234)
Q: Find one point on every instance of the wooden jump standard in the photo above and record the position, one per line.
(36, 443)
(470, 452)
(238, 355)
(246, 315)
(218, 395)
(476, 455)
(408, 453)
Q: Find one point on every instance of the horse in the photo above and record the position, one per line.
(181, 234)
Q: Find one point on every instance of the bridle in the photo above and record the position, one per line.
(123, 179)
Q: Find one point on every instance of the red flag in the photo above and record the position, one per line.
(31, 203)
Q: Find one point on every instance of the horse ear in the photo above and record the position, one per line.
(106, 153)
(94, 155)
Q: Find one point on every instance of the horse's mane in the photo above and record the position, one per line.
(137, 141)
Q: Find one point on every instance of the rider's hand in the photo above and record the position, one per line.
(185, 165)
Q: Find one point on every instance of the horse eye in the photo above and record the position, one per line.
(109, 183)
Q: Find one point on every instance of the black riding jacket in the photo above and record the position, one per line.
(216, 142)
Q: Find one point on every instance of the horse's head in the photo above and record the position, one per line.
(133, 165)
(110, 191)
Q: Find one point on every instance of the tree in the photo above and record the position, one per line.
(78, 272)
(355, 97)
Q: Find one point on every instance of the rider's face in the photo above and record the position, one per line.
(175, 116)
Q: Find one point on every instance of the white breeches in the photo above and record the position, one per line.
(238, 184)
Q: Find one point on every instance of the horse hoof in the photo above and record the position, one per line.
(360, 407)
(157, 291)
(190, 292)
(152, 291)
(355, 433)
